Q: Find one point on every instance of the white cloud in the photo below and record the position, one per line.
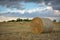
(46, 11)
(4, 18)
(57, 12)
(20, 11)
(39, 9)
(49, 3)
(49, 7)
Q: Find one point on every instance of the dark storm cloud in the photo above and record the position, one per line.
(9, 3)
(16, 3)
(54, 3)
(36, 1)
(21, 1)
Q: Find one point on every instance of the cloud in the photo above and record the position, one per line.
(4, 18)
(14, 8)
(54, 3)
(11, 4)
(37, 12)
(22, 0)
(16, 3)
(57, 12)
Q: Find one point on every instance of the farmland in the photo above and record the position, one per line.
(22, 31)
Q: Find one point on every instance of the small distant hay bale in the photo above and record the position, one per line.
(39, 25)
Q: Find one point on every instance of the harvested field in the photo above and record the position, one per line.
(22, 31)
(56, 26)
(29, 36)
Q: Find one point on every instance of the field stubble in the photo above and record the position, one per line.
(21, 31)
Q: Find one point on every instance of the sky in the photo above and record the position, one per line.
(13, 9)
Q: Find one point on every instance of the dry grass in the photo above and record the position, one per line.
(14, 27)
(21, 31)
(56, 26)
(56, 23)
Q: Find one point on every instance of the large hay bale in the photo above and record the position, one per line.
(39, 25)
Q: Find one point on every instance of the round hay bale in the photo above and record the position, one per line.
(39, 25)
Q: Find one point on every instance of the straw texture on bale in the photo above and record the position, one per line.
(39, 25)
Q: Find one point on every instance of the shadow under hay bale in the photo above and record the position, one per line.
(39, 25)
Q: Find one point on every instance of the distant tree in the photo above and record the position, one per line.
(11, 21)
(27, 20)
(54, 20)
(18, 20)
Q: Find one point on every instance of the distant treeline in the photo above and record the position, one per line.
(19, 20)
